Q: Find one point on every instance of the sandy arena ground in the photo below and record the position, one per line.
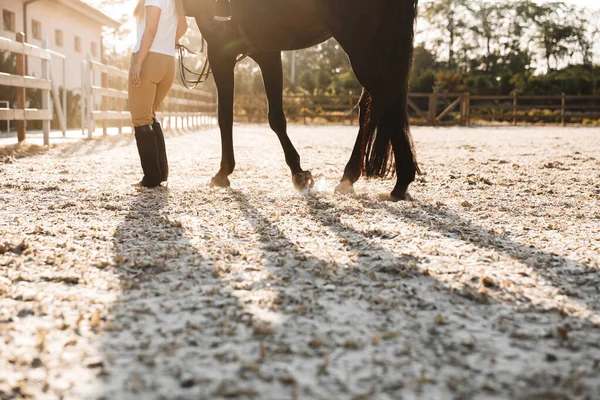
(486, 286)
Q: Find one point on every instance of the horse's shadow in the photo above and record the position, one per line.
(503, 321)
(560, 274)
(213, 316)
(405, 283)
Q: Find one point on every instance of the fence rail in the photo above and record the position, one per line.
(437, 109)
(21, 81)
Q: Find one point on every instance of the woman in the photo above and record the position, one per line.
(160, 25)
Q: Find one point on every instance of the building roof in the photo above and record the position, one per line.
(90, 12)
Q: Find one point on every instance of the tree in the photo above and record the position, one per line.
(447, 16)
(554, 35)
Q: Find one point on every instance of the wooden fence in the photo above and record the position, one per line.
(437, 109)
(183, 108)
(22, 82)
(563, 109)
(104, 102)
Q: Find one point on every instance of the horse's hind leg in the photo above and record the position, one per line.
(223, 66)
(272, 72)
(406, 163)
(353, 170)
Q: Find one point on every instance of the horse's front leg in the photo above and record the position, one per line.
(272, 72)
(223, 67)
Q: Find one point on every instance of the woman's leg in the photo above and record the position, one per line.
(166, 81)
(141, 100)
(162, 90)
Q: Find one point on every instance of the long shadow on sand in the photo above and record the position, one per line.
(571, 279)
(215, 316)
(501, 323)
(157, 329)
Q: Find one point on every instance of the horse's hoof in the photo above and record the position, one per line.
(303, 180)
(345, 187)
(220, 181)
(400, 193)
(395, 198)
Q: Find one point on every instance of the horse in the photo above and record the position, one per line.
(378, 37)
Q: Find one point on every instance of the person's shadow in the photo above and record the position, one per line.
(162, 307)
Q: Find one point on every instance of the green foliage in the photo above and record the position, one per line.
(449, 82)
(481, 84)
(504, 47)
(423, 81)
(575, 80)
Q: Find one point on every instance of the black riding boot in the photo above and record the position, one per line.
(162, 149)
(222, 10)
(148, 150)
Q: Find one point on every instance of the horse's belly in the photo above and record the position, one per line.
(280, 24)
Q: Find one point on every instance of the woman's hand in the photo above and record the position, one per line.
(134, 74)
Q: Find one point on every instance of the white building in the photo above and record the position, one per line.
(70, 27)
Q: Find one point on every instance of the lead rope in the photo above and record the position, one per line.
(184, 70)
(204, 73)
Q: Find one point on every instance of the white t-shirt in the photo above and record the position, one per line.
(164, 42)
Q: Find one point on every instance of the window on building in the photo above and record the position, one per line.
(78, 44)
(8, 18)
(94, 49)
(36, 29)
(58, 38)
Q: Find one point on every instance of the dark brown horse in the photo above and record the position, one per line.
(378, 37)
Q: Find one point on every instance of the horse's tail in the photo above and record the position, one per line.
(386, 117)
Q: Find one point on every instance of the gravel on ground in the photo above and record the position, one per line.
(486, 286)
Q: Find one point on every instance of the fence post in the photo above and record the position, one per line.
(515, 104)
(563, 109)
(46, 96)
(64, 95)
(170, 115)
(120, 109)
(83, 99)
(303, 108)
(432, 108)
(120, 105)
(21, 94)
(351, 105)
(468, 109)
(104, 84)
(463, 113)
(177, 116)
(190, 113)
(187, 113)
(90, 97)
